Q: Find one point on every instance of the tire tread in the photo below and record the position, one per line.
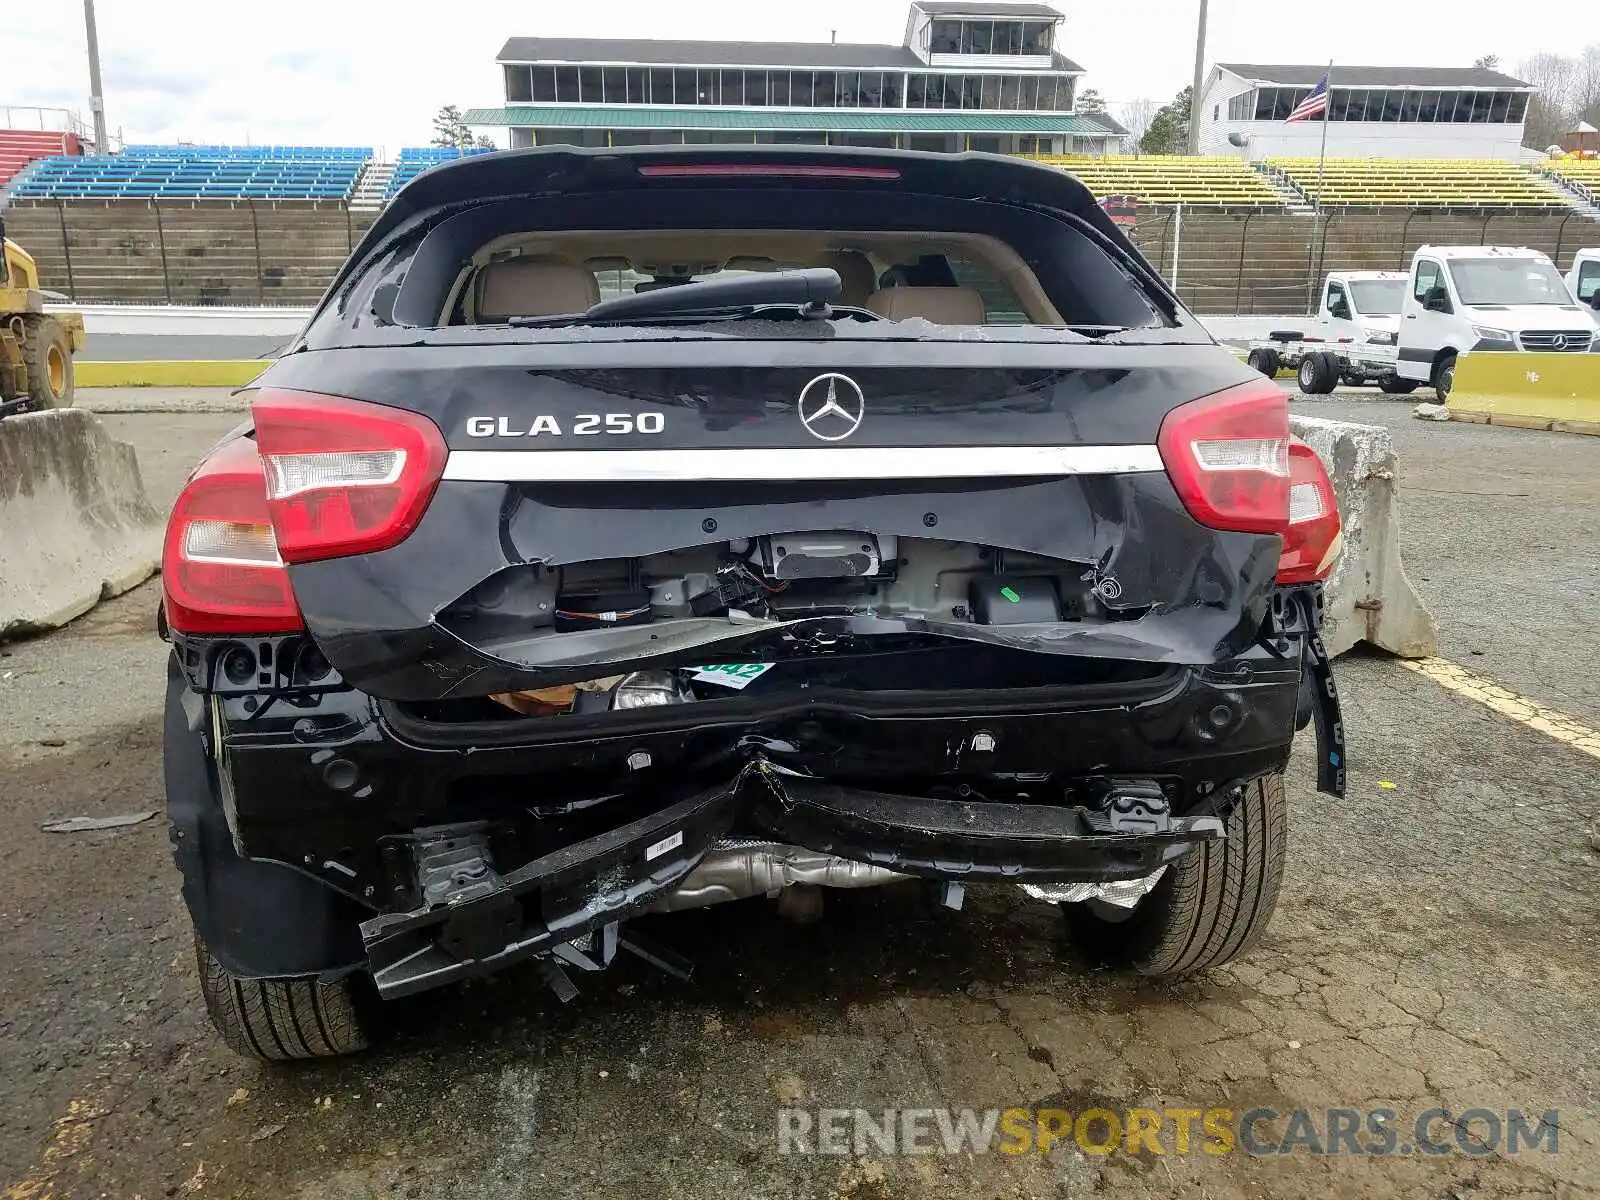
(280, 1019)
(39, 335)
(1212, 904)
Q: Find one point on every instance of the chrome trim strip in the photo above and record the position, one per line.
(821, 463)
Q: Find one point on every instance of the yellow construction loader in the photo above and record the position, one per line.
(36, 347)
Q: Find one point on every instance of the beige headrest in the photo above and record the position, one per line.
(941, 305)
(856, 273)
(518, 288)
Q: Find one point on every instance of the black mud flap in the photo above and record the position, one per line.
(979, 840)
(1325, 711)
(260, 920)
(474, 920)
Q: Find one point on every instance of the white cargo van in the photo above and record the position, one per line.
(1583, 281)
(1479, 299)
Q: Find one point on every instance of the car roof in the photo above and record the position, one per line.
(1483, 252)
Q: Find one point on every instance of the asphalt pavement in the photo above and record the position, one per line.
(1435, 948)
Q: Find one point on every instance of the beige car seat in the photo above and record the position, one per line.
(941, 305)
(524, 288)
(856, 273)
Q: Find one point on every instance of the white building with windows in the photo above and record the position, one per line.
(969, 75)
(1374, 112)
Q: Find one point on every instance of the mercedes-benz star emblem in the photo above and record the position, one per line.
(831, 407)
(1559, 341)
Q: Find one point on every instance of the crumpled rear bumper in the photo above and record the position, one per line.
(474, 919)
(461, 849)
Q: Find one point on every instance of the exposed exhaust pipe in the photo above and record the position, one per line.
(737, 869)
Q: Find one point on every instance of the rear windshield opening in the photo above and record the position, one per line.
(950, 279)
(955, 264)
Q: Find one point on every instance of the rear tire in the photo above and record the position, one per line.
(47, 353)
(1265, 361)
(1397, 387)
(1210, 906)
(1319, 374)
(278, 1019)
(1444, 377)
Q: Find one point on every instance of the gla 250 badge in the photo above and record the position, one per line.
(583, 425)
(831, 407)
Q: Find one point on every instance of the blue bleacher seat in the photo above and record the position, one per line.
(199, 172)
(414, 160)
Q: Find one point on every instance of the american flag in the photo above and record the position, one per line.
(1313, 105)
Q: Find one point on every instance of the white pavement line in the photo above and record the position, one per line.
(1508, 703)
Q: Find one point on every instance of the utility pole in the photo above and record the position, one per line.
(1199, 80)
(97, 101)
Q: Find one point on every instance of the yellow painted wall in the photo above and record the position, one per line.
(1543, 391)
(168, 373)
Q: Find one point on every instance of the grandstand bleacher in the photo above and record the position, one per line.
(292, 153)
(168, 224)
(1580, 174)
(197, 173)
(416, 159)
(1174, 179)
(19, 147)
(1421, 183)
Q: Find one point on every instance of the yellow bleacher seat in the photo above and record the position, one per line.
(1361, 182)
(1585, 172)
(1173, 179)
(1421, 183)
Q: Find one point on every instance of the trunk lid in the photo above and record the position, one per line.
(644, 474)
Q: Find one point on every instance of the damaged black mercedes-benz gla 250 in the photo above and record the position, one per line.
(632, 530)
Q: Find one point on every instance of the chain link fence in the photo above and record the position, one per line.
(1261, 261)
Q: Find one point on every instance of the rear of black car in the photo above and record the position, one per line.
(584, 557)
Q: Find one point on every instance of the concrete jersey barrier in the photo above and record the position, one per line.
(1368, 598)
(75, 524)
(1559, 391)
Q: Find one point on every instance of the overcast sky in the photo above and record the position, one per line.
(358, 72)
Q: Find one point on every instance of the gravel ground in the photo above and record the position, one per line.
(1435, 947)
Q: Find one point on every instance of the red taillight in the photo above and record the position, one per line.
(1228, 457)
(221, 572)
(1312, 540)
(344, 476)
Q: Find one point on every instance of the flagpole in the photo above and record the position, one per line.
(1316, 214)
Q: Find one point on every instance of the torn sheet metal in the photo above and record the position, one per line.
(1124, 893)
